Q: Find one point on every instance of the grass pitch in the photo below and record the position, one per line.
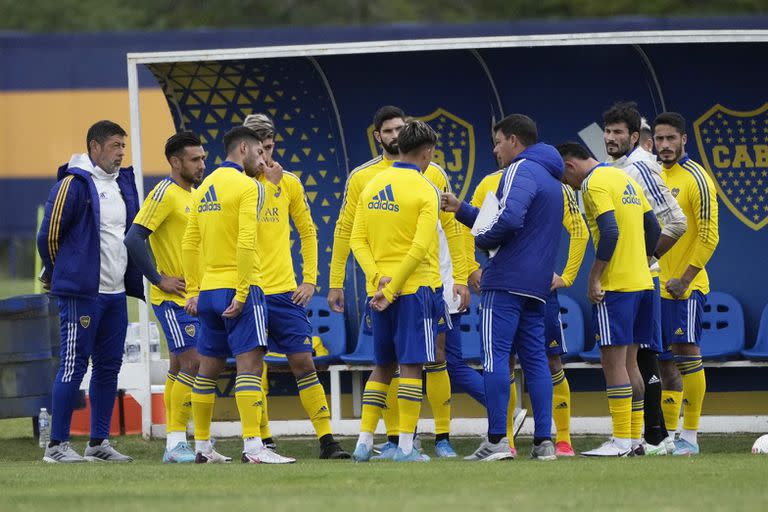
(726, 477)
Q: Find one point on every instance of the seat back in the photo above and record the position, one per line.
(327, 325)
(363, 352)
(722, 327)
(572, 321)
(471, 340)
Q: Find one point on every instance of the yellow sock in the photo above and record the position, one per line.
(511, 410)
(620, 405)
(266, 432)
(374, 401)
(439, 396)
(409, 397)
(312, 397)
(694, 388)
(561, 407)
(670, 406)
(170, 379)
(390, 412)
(249, 402)
(636, 430)
(203, 398)
(181, 402)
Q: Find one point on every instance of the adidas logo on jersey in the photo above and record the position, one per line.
(209, 202)
(630, 196)
(562, 405)
(679, 331)
(384, 200)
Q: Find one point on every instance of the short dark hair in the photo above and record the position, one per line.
(519, 125)
(101, 131)
(176, 144)
(236, 135)
(573, 150)
(385, 114)
(672, 119)
(624, 112)
(414, 135)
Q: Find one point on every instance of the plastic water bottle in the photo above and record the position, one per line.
(132, 352)
(154, 342)
(44, 424)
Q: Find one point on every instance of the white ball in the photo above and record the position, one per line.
(761, 445)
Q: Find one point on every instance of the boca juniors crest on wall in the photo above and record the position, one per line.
(734, 148)
(455, 151)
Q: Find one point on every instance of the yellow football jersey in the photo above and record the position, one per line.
(451, 227)
(165, 212)
(696, 194)
(395, 231)
(356, 182)
(608, 189)
(489, 183)
(222, 231)
(282, 203)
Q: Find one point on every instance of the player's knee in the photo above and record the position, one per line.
(301, 364)
(555, 364)
(685, 349)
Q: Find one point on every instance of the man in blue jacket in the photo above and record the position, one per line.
(88, 269)
(523, 238)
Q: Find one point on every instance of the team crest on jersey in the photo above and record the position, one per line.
(455, 151)
(85, 321)
(279, 191)
(190, 330)
(734, 149)
(675, 191)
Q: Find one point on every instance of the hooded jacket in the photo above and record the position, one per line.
(526, 229)
(69, 240)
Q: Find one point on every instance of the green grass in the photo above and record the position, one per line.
(726, 477)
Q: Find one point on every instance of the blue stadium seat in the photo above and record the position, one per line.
(760, 351)
(328, 326)
(363, 353)
(471, 340)
(722, 325)
(573, 327)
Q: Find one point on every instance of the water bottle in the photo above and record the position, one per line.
(154, 342)
(132, 352)
(44, 425)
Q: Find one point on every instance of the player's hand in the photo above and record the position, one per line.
(336, 300)
(384, 281)
(462, 292)
(677, 288)
(557, 283)
(174, 285)
(379, 302)
(474, 279)
(449, 202)
(595, 292)
(302, 294)
(234, 309)
(191, 306)
(273, 172)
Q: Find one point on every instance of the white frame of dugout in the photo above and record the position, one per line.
(138, 376)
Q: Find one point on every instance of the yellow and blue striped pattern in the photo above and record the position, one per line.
(638, 405)
(185, 378)
(247, 382)
(203, 385)
(409, 392)
(375, 398)
(144, 217)
(435, 367)
(620, 391)
(705, 206)
(55, 225)
(307, 381)
(688, 364)
(558, 377)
